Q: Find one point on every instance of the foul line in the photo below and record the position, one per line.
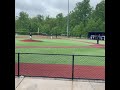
(20, 82)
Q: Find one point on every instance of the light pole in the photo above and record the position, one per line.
(38, 30)
(68, 21)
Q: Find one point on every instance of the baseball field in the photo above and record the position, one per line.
(54, 56)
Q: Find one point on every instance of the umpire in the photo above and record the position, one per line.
(98, 39)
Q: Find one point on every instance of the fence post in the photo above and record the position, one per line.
(72, 67)
(18, 64)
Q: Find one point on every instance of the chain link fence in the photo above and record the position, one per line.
(60, 66)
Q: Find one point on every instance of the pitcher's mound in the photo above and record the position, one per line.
(30, 40)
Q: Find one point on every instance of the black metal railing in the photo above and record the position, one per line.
(60, 66)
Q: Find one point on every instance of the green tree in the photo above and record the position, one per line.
(23, 22)
(82, 20)
(78, 30)
(60, 24)
(82, 11)
(95, 26)
(96, 22)
(100, 10)
(80, 15)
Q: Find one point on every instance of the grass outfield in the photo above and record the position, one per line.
(79, 60)
(77, 51)
(60, 59)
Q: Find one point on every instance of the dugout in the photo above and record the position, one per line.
(93, 35)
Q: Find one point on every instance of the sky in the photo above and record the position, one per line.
(47, 7)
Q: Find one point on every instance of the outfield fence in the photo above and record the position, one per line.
(60, 66)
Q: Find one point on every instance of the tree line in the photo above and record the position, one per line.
(82, 19)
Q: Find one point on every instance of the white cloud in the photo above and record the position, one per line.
(46, 7)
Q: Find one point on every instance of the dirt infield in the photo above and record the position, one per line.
(60, 70)
(30, 40)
